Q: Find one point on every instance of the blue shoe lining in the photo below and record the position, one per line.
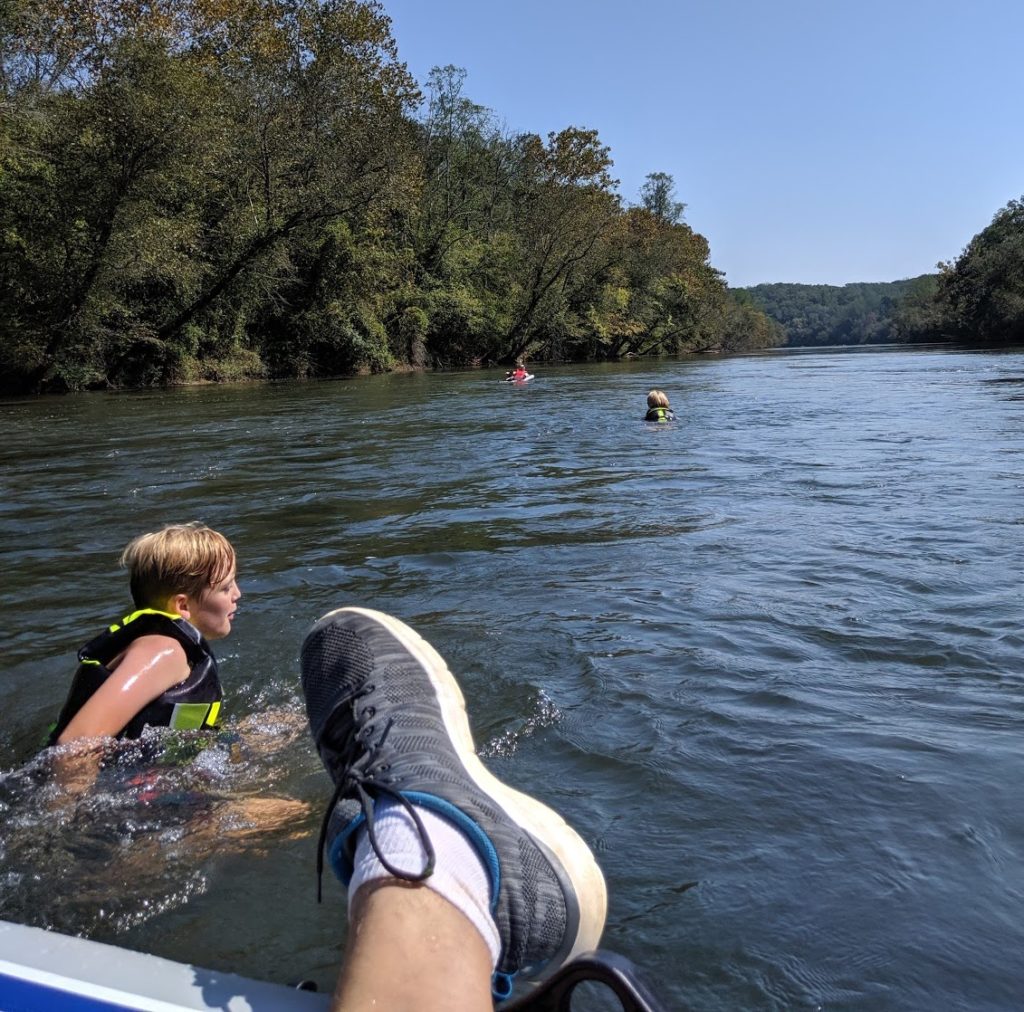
(341, 862)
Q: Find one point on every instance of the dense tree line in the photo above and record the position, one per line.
(980, 296)
(862, 313)
(222, 189)
(976, 299)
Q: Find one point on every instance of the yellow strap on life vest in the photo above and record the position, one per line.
(143, 611)
(192, 716)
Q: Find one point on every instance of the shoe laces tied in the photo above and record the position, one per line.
(362, 779)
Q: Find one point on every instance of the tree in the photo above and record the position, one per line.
(745, 326)
(568, 212)
(100, 215)
(858, 313)
(320, 120)
(658, 197)
(176, 166)
(205, 189)
(917, 316)
(467, 170)
(982, 293)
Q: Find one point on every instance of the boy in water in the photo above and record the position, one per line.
(658, 409)
(156, 667)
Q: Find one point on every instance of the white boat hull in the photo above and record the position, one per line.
(42, 971)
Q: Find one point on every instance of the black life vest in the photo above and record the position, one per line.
(192, 703)
(660, 415)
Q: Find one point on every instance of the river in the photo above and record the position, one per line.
(766, 659)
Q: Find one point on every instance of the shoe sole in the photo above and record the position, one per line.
(547, 828)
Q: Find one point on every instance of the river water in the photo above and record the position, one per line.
(767, 659)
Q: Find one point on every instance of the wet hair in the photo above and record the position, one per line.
(657, 399)
(179, 559)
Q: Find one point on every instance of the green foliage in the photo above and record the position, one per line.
(212, 190)
(745, 326)
(412, 332)
(981, 296)
(658, 198)
(840, 315)
(108, 201)
(918, 316)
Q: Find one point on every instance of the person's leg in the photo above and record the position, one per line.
(389, 722)
(410, 950)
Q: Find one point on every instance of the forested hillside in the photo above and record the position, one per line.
(976, 299)
(864, 313)
(981, 295)
(194, 191)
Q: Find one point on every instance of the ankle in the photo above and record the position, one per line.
(410, 950)
(459, 876)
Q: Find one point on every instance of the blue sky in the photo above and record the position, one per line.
(818, 142)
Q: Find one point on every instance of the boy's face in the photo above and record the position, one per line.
(212, 613)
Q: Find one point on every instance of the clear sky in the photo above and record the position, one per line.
(814, 141)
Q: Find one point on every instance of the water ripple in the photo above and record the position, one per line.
(767, 659)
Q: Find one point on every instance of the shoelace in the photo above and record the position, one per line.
(361, 783)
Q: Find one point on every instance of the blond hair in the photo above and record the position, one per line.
(179, 559)
(657, 399)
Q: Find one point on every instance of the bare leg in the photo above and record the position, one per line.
(410, 950)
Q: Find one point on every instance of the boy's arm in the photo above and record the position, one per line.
(151, 665)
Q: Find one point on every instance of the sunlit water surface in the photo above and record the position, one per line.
(766, 659)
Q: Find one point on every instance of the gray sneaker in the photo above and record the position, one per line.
(389, 721)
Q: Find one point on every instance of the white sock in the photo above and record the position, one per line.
(459, 874)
